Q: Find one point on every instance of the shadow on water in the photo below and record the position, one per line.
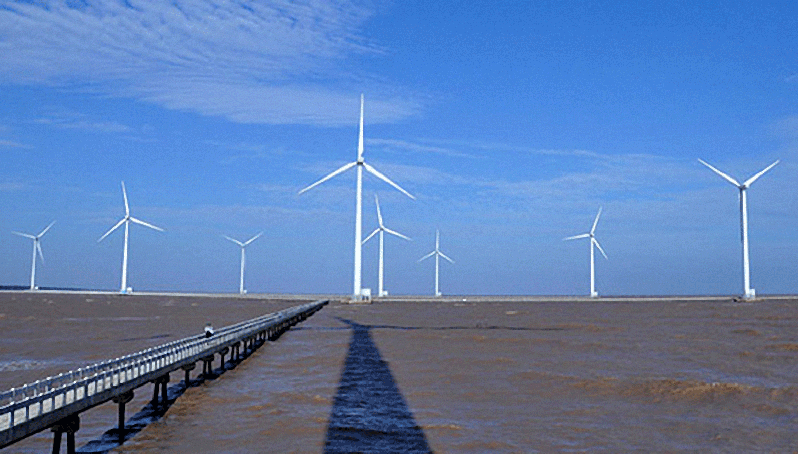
(475, 327)
(149, 414)
(369, 413)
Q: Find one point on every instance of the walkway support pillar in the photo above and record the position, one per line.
(207, 366)
(164, 380)
(122, 399)
(188, 368)
(222, 353)
(70, 425)
(160, 387)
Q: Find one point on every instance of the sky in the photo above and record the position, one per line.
(510, 122)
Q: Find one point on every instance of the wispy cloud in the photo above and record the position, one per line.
(12, 144)
(786, 128)
(80, 122)
(416, 147)
(277, 62)
(12, 186)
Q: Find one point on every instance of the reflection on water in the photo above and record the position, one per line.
(369, 413)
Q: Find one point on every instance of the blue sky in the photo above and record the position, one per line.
(511, 123)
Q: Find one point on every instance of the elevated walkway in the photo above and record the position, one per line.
(56, 402)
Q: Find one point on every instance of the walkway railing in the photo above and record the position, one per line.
(33, 407)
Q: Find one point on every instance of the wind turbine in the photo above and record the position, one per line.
(749, 292)
(437, 253)
(127, 220)
(361, 164)
(593, 241)
(243, 256)
(382, 229)
(37, 247)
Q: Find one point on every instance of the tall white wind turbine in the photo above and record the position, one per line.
(749, 292)
(360, 164)
(382, 229)
(243, 256)
(37, 248)
(126, 221)
(438, 254)
(593, 241)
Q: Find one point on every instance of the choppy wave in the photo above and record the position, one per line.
(25, 364)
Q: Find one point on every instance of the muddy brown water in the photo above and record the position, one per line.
(437, 376)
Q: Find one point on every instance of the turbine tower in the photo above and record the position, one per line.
(593, 241)
(438, 254)
(243, 257)
(126, 220)
(361, 164)
(382, 229)
(37, 247)
(749, 292)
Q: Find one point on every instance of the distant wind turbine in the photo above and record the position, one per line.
(437, 253)
(593, 241)
(360, 163)
(127, 220)
(243, 256)
(749, 292)
(37, 247)
(382, 229)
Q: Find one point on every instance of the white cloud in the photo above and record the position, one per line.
(248, 62)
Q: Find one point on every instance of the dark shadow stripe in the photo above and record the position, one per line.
(369, 413)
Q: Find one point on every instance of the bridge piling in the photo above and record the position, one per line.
(122, 399)
(222, 354)
(207, 366)
(70, 425)
(188, 368)
(164, 381)
(159, 388)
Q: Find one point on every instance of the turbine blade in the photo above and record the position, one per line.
(382, 177)
(595, 241)
(584, 235)
(593, 229)
(370, 235)
(341, 169)
(26, 235)
(427, 256)
(360, 134)
(124, 194)
(723, 175)
(46, 229)
(444, 256)
(112, 229)
(253, 239)
(140, 222)
(395, 233)
(749, 181)
(379, 213)
(234, 240)
(39, 250)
